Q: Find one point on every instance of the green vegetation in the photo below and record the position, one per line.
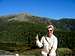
(36, 52)
(19, 36)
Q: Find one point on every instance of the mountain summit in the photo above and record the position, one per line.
(29, 18)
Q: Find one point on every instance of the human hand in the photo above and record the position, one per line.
(37, 37)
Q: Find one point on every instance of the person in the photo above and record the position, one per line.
(48, 42)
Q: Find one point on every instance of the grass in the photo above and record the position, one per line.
(32, 52)
(36, 52)
(26, 51)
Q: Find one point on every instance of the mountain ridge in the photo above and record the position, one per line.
(63, 23)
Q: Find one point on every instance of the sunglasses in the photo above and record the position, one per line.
(50, 30)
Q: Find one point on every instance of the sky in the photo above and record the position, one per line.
(55, 9)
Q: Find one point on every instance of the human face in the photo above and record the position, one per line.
(50, 32)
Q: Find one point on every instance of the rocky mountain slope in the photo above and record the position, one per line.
(62, 24)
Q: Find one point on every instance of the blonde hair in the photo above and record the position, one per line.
(50, 26)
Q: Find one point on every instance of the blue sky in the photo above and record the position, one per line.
(55, 9)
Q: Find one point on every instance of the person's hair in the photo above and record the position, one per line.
(50, 26)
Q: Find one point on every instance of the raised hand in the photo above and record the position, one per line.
(37, 37)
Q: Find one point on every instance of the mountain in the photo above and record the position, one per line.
(67, 24)
(29, 18)
(22, 29)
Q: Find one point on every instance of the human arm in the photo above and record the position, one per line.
(54, 47)
(38, 43)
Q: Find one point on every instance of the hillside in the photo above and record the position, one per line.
(29, 18)
(17, 33)
(21, 29)
(67, 24)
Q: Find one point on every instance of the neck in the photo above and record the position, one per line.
(49, 36)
